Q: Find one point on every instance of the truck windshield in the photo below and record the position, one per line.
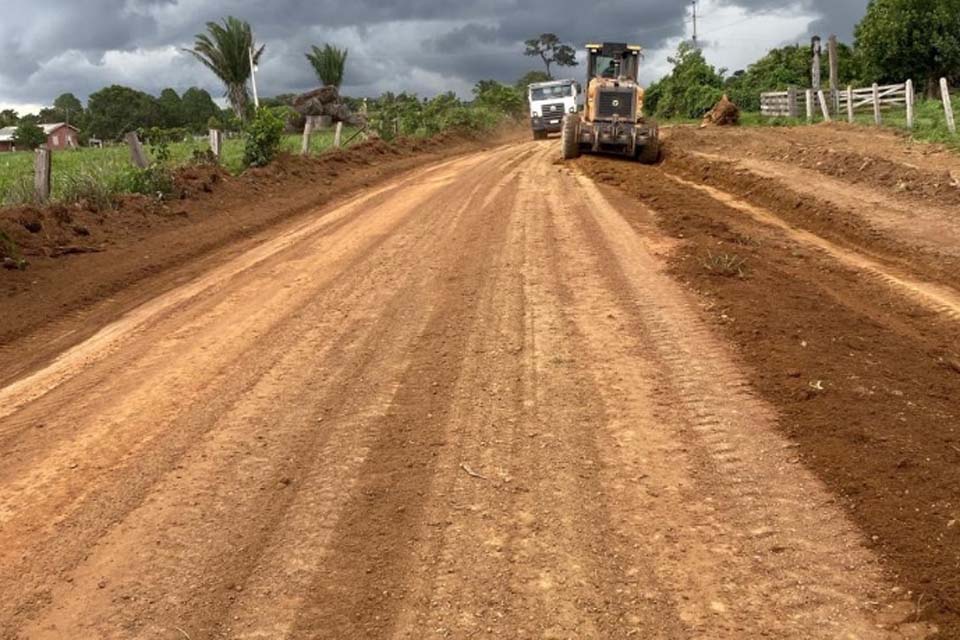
(548, 93)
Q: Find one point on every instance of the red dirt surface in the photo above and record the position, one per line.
(494, 395)
(79, 257)
(866, 380)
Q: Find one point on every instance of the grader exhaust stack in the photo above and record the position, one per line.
(613, 120)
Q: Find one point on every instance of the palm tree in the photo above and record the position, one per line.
(329, 64)
(226, 49)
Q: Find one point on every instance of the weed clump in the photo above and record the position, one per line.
(727, 265)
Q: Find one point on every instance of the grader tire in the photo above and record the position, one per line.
(569, 138)
(651, 152)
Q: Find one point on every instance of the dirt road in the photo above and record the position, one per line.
(470, 403)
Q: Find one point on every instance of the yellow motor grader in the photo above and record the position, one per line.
(613, 120)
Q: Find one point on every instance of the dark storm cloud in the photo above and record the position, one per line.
(51, 46)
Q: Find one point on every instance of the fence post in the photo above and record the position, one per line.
(947, 106)
(137, 156)
(307, 133)
(834, 74)
(792, 102)
(909, 98)
(42, 164)
(815, 65)
(809, 105)
(850, 104)
(216, 143)
(876, 104)
(823, 106)
(338, 132)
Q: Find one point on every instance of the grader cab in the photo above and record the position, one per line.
(613, 120)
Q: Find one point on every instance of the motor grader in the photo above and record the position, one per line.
(613, 120)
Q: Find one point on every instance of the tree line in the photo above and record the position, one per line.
(115, 110)
(896, 40)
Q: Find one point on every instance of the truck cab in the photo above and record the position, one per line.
(549, 103)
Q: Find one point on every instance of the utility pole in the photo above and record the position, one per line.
(696, 45)
(815, 65)
(253, 77)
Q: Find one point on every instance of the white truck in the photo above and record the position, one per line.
(549, 102)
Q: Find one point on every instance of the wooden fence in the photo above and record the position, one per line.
(793, 102)
(785, 104)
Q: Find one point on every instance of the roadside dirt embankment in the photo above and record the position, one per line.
(87, 265)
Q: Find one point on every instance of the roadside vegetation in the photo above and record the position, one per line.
(894, 41)
(173, 127)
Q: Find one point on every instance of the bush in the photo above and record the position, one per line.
(29, 136)
(691, 89)
(262, 137)
(158, 135)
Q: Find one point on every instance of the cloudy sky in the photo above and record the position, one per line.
(54, 46)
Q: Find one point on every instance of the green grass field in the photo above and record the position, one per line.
(110, 167)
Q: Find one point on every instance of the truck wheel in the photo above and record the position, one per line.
(569, 136)
(650, 153)
(540, 135)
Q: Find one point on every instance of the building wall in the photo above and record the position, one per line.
(61, 138)
(6, 146)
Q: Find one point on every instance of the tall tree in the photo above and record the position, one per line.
(196, 108)
(328, 63)
(8, 118)
(226, 49)
(551, 51)
(49, 115)
(117, 110)
(918, 39)
(69, 108)
(783, 67)
(171, 108)
(691, 89)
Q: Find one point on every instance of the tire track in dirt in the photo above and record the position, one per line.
(926, 221)
(476, 408)
(283, 580)
(771, 572)
(110, 339)
(366, 570)
(530, 549)
(942, 299)
(364, 282)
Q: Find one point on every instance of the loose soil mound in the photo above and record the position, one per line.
(723, 114)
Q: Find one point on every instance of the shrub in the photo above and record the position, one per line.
(262, 137)
(29, 136)
(155, 180)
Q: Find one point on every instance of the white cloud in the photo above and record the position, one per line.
(732, 36)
